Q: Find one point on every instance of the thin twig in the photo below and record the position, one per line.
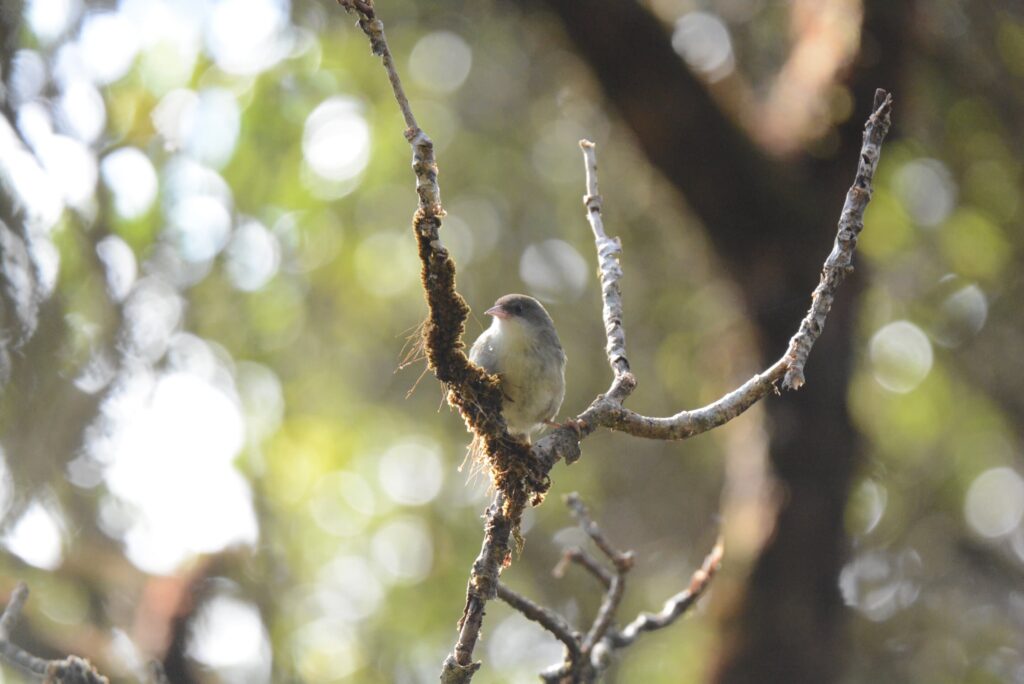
(623, 561)
(546, 618)
(588, 656)
(579, 556)
(13, 610)
(676, 606)
(475, 393)
(609, 251)
(607, 409)
(520, 479)
(606, 613)
(839, 263)
(70, 670)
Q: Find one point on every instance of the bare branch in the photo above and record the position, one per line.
(483, 586)
(13, 610)
(374, 30)
(609, 250)
(546, 618)
(606, 613)
(518, 478)
(70, 670)
(607, 409)
(675, 606)
(588, 656)
(579, 556)
(851, 223)
(623, 560)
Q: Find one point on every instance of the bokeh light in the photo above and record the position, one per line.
(901, 356)
(554, 271)
(349, 589)
(994, 505)
(81, 111)
(36, 537)
(440, 61)
(71, 167)
(336, 139)
(248, 36)
(48, 19)
(403, 550)
(961, 316)
(411, 472)
(927, 190)
(131, 178)
(28, 76)
(175, 439)
(253, 256)
(879, 583)
(108, 44)
(228, 636)
(343, 503)
(119, 260)
(702, 39)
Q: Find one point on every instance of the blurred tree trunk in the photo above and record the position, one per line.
(771, 223)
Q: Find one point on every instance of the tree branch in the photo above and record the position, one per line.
(607, 409)
(675, 606)
(587, 562)
(851, 222)
(474, 392)
(545, 617)
(520, 475)
(70, 670)
(587, 656)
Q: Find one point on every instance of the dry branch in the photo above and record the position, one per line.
(520, 475)
(70, 670)
(675, 606)
(587, 656)
(518, 479)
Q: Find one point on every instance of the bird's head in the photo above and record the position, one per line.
(520, 310)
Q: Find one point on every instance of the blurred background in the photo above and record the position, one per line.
(210, 456)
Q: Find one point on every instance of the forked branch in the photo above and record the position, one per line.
(588, 655)
(521, 474)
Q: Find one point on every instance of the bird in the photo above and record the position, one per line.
(522, 348)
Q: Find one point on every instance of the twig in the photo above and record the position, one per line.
(588, 656)
(609, 251)
(607, 409)
(13, 610)
(579, 556)
(483, 586)
(623, 561)
(545, 617)
(839, 263)
(70, 670)
(518, 478)
(675, 606)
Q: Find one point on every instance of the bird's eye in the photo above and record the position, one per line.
(516, 309)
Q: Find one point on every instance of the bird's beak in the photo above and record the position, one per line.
(497, 312)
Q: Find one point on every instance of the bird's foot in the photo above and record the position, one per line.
(574, 424)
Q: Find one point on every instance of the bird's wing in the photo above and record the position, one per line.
(483, 354)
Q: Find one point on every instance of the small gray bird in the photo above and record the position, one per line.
(523, 349)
